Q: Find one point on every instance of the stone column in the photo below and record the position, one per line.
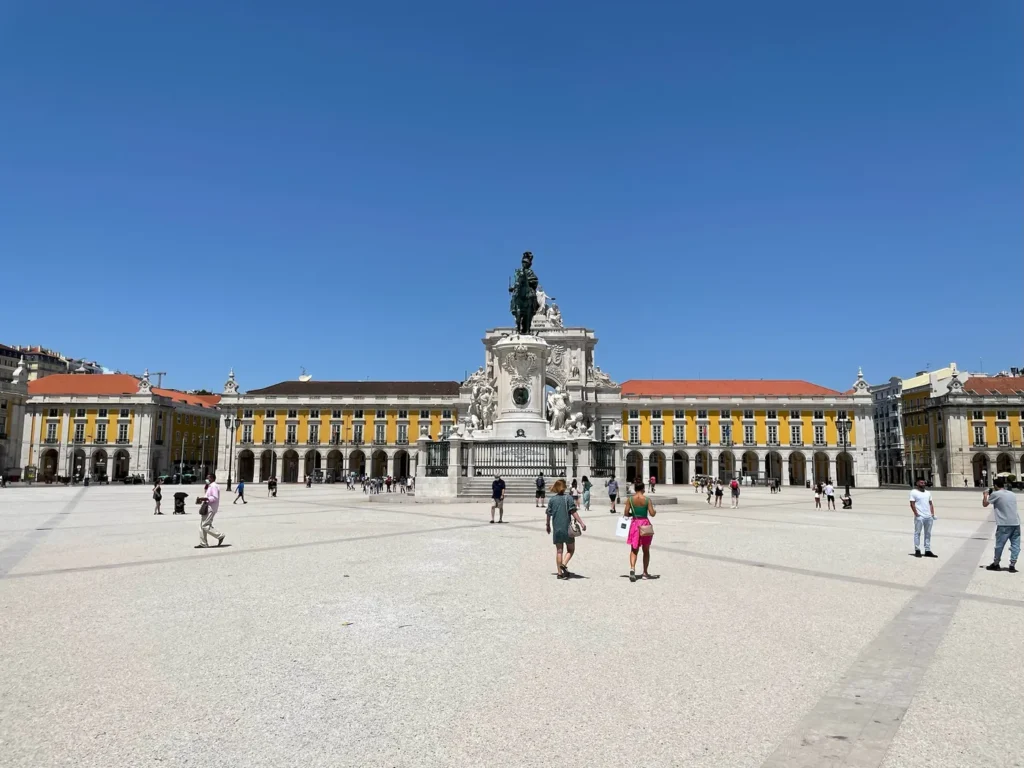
(785, 470)
(454, 457)
(391, 466)
(472, 460)
(645, 466)
(832, 469)
(583, 460)
(421, 456)
(669, 478)
(620, 459)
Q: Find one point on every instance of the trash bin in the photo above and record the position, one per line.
(807, 484)
(86, 481)
(179, 502)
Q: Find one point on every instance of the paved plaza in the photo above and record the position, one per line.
(333, 632)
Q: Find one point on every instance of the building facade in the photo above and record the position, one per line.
(888, 410)
(114, 425)
(966, 431)
(13, 394)
(324, 429)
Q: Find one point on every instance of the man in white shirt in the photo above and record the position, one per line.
(924, 516)
(830, 495)
(212, 505)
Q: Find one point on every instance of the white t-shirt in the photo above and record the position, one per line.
(922, 502)
(829, 490)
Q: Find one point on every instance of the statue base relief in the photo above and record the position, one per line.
(520, 366)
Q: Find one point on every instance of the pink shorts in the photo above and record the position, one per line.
(634, 539)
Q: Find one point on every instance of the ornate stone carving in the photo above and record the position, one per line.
(599, 377)
(483, 404)
(19, 372)
(860, 386)
(520, 365)
(558, 408)
(956, 387)
(144, 386)
(556, 355)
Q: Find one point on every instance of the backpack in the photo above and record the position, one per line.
(734, 485)
(540, 483)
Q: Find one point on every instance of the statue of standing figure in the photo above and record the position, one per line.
(524, 295)
(558, 408)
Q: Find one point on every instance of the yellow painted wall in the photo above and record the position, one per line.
(435, 425)
(691, 427)
(645, 427)
(391, 427)
(414, 425)
(761, 427)
(714, 434)
(369, 417)
(807, 417)
(784, 433)
(668, 432)
(991, 436)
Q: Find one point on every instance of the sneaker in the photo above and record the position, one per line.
(220, 540)
(1012, 568)
(994, 567)
(632, 576)
(917, 553)
(929, 553)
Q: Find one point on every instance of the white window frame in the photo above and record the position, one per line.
(680, 414)
(247, 433)
(270, 433)
(80, 413)
(247, 413)
(122, 433)
(403, 434)
(102, 413)
(314, 433)
(749, 435)
(703, 434)
(358, 414)
(293, 413)
(314, 414)
(726, 414)
(335, 414)
(446, 414)
(270, 413)
(795, 415)
(291, 434)
(656, 414)
(772, 415)
(634, 413)
(634, 434)
(657, 437)
(380, 434)
(357, 433)
(796, 434)
(979, 435)
(124, 413)
(79, 433)
(680, 433)
(773, 428)
(702, 414)
(1001, 415)
(381, 414)
(1003, 434)
(725, 433)
(819, 434)
(425, 414)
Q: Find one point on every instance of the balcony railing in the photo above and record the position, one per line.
(773, 443)
(820, 444)
(335, 441)
(704, 442)
(750, 442)
(79, 441)
(379, 441)
(246, 442)
(291, 441)
(796, 443)
(52, 440)
(657, 442)
(269, 441)
(357, 441)
(123, 441)
(402, 441)
(313, 441)
(726, 442)
(101, 441)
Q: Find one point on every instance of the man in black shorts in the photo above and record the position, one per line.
(498, 498)
(540, 490)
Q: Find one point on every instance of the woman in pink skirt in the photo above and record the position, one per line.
(641, 509)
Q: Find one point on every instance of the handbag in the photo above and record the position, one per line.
(646, 529)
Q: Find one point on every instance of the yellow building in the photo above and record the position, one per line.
(109, 426)
(324, 429)
(764, 430)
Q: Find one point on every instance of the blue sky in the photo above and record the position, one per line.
(720, 190)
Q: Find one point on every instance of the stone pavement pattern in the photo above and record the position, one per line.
(334, 632)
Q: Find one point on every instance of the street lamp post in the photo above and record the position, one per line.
(231, 422)
(844, 429)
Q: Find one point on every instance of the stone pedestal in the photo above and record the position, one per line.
(520, 373)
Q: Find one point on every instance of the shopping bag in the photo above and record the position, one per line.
(622, 527)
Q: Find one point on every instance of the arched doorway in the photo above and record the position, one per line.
(357, 462)
(401, 463)
(78, 464)
(311, 464)
(751, 466)
(844, 469)
(726, 465)
(821, 470)
(99, 465)
(290, 466)
(1004, 463)
(48, 465)
(980, 466)
(380, 464)
(634, 466)
(334, 465)
(657, 463)
(773, 467)
(680, 467)
(797, 468)
(268, 466)
(702, 464)
(246, 466)
(122, 462)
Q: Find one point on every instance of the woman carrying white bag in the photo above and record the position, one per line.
(639, 509)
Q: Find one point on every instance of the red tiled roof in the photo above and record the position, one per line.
(85, 384)
(109, 384)
(995, 385)
(724, 387)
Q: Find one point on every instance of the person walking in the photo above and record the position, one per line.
(718, 493)
(211, 505)
(157, 496)
(540, 490)
(654, 481)
(641, 532)
(1004, 505)
(830, 495)
(817, 495)
(587, 485)
(561, 512)
(240, 492)
(923, 507)
(613, 491)
(574, 491)
(498, 498)
(734, 493)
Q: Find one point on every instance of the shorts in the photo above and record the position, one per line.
(498, 504)
(540, 493)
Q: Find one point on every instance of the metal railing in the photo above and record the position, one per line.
(521, 459)
(602, 459)
(437, 459)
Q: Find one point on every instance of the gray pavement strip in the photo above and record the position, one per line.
(14, 552)
(855, 722)
(232, 552)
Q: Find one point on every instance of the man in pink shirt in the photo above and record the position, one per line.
(212, 505)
